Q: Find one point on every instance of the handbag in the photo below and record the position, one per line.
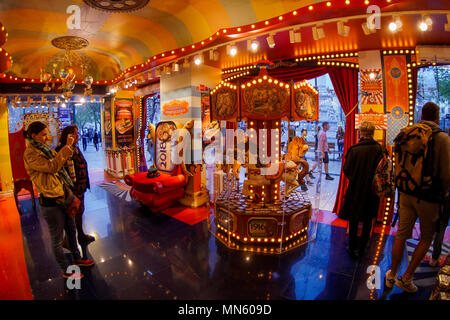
(71, 203)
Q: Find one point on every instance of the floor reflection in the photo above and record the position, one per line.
(142, 255)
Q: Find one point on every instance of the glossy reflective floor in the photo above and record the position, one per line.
(141, 255)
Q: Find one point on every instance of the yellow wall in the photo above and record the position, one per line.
(5, 160)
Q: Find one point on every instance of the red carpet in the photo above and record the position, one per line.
(14, 282)
(191, 216)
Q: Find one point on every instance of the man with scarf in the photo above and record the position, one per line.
(360, 202)
(53, 184)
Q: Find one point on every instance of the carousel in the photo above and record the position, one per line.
(266, 213)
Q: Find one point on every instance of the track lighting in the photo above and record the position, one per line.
(270, 41)
(396, 24)
(318, 32)
(198, 59)
(367, 29)
(343, 30)
(295, 36)
(426, 23)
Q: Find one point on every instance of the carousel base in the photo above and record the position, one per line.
(274, 228)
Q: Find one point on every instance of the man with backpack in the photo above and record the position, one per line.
(422, 176)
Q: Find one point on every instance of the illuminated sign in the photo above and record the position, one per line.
(262, 227)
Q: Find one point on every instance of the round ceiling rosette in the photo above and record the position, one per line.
(117, 5)
(70, 43)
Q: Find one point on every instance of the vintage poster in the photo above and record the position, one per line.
(396, 83)
(224, 104)
(371, 88)
(306, 103)
(107, 123)
(124, 122)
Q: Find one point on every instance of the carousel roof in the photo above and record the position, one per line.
(123, 38)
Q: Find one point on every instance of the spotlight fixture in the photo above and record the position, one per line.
(176, 67)
(233, 51)
(318, 32)
(213, 55)
(343, 30)
(396, 24)
(198, 59)
(295, 36)
(252, 45)
(186, 64)
(426, 23)
(270, 41)
(367, 29)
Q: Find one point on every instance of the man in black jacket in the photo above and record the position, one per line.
(360, 202)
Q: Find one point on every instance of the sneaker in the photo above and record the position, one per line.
(434, 262)
(328, 177)
(304, 187)
(311, 175)
(84, 263)
(310, 183)
(406, 285)
(389, 280)
(75, 275)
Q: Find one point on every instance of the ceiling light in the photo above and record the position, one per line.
(368, 30)
(233, 51)
(198, 59)
(343, 30)
(318, 32)
(254, 45)
(396, 24)
(270, 41)
(294, 36)
(426, 23)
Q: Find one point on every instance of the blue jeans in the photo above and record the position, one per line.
(59, 221)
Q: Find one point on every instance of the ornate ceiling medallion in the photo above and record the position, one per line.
(117, 5)
(70, 43)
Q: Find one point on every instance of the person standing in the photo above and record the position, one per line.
(45, 168)
(340, 140)
(81, 181)
(84, 138)
(323, 148)
(316, 153)
(360, 202)
(441, 226)
(423, 205)
(95, 140)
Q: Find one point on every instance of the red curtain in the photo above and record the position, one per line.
(345, 83)
(298, 73)
(143, 162)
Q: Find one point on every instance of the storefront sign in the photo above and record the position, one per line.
(175, 108)
(225, 218)
(378, 119)
(262, 227)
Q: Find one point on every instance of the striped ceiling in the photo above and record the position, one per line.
(118, 41)
(121, 40)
